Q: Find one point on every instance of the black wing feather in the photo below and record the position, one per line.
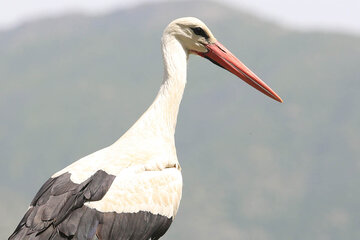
(58, 212)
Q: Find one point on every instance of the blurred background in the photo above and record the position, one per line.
(74, 75)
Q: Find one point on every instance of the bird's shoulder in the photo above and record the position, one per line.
(116, 160)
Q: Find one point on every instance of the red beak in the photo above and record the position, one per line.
(222, 57)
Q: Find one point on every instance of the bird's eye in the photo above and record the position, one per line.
(199, 31)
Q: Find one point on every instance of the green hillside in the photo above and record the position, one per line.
(253, 168)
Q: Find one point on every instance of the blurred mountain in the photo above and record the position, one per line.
(253, 168)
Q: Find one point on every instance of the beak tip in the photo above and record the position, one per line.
(278, 98)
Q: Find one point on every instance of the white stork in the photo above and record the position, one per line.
(131, 190)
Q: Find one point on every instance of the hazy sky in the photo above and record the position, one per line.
(338, 15)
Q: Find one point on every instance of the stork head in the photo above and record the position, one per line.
(196, 38)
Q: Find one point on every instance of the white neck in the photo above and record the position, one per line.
(159, 121)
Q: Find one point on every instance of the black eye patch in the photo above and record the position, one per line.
(200, 32)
